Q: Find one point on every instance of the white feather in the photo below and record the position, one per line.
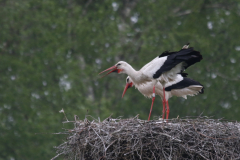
(152, 67)
(147, 89)
(177, 78)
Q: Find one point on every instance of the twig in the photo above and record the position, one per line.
(110, 144)
(57, 156)
(178, 140)
(101, 140)
(62, 111)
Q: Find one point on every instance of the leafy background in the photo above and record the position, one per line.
(52, 51)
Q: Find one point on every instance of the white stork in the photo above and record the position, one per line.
(180, 87)
(163, 69)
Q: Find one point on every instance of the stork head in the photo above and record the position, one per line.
(120, 67)
(129, 84)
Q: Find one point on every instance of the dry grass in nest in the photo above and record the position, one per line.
(133, 138)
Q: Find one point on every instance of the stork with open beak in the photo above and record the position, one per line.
(162, 69)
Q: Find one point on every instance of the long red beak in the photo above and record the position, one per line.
(113, 69)
(128, 85)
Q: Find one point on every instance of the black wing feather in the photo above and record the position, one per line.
(189, 56)
(186, 82)
(183, 74)
(166, 53)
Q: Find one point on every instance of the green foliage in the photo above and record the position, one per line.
(52, 51)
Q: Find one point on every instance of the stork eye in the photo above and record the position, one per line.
(118, 64)
(127, 79)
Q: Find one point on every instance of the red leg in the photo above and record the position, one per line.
(167, 110)
(153, 98)
(163, 111)
(164, 102)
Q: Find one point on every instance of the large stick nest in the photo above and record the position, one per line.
(125, 139)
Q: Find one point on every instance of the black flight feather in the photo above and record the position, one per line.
(188, 56)
(186, 82)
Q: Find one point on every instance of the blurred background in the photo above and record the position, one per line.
(52, 51)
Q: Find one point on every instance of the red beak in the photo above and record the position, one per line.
(113, 69)
(128, 85)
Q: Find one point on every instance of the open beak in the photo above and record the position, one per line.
(113, 69)
(128, 85)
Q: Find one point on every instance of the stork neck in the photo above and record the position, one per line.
(136, 76)
(131, 71)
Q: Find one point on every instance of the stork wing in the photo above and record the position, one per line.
(183, 58)
(186, 83)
